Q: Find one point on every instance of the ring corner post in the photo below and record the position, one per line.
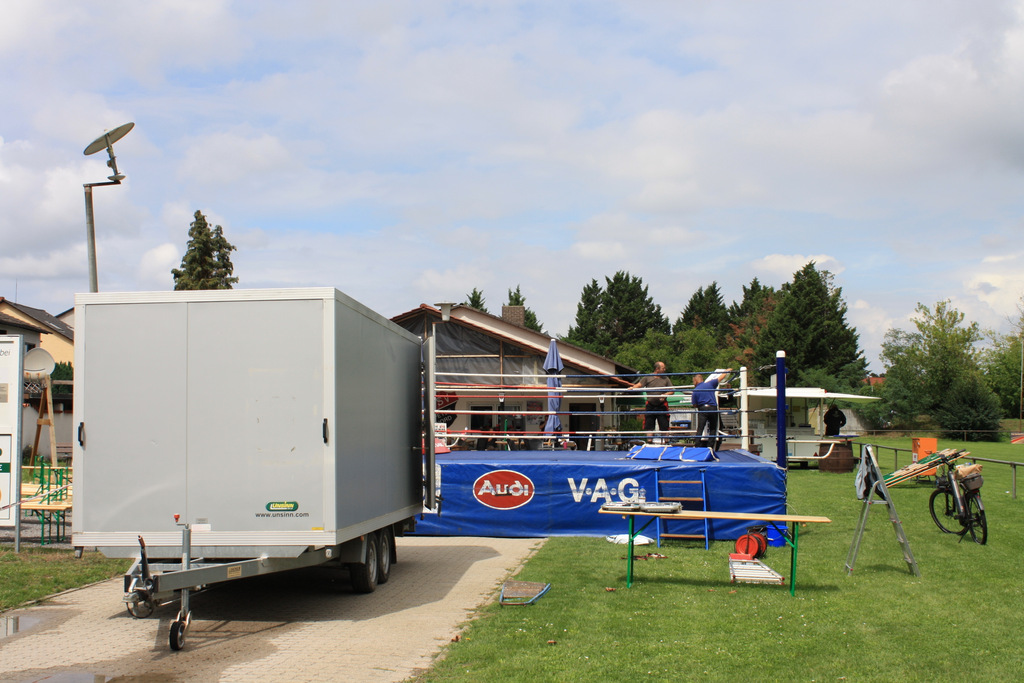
(780, 408)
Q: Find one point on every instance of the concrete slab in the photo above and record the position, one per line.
(301, 626)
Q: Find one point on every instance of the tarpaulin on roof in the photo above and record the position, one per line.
(523, 494)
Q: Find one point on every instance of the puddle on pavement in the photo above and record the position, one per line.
(84, 677)
(10, 626)
(75, 677)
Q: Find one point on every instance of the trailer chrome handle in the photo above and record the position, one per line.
(81, 434)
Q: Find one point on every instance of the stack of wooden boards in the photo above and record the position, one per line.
(925, 467)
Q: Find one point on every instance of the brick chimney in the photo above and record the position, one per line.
(514, 314)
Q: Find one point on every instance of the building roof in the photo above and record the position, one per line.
(47, 322)
(524, 337)
(15, 322)
(810, 392)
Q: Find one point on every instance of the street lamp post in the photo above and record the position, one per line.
(105, 141)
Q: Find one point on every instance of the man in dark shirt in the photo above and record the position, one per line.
(834, 421)
(704, 399)
(656, 407)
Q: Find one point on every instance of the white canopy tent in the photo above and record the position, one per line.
(805, 407)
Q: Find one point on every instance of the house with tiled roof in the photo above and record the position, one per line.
(479, 348)
(45, 330)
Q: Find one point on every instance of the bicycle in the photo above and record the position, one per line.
(956, 501)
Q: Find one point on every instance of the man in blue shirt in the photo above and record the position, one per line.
(705, 401)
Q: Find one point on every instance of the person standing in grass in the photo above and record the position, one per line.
(834, 420)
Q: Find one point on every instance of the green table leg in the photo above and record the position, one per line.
(794, 532)
(629, 555)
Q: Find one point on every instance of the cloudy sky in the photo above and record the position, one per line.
(407, 152)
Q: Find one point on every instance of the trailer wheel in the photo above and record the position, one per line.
(364, 574)
(385, 553)
(177, 635)
(141, 607)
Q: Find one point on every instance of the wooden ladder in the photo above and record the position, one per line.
(690, 502)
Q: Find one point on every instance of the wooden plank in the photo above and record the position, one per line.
(923, 466)
(682, 536)
(47, 507)
(710, 514)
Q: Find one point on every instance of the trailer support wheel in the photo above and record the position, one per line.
(385, 553)
(364, 574)
(177, 635)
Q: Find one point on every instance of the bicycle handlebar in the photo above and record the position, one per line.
(948, 460)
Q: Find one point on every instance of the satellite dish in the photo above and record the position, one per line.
(108, 138)
(38, 363)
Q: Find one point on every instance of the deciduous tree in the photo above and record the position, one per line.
(1003, 365)
(934, 371)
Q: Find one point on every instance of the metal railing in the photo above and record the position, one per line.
(1013, 465)
(1013, 470)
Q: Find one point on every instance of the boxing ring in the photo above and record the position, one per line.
(511, 469)
(560, 493)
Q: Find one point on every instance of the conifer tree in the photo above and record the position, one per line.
(809, 324)
(530, 321)
(706, 311)
(476, 300)
(207, 260)
(620, 313)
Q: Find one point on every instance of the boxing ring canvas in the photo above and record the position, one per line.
(558, 493)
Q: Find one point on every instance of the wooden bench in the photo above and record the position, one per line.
(46, 493)
(53, 520)
(792, 538)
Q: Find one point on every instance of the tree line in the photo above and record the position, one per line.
(937, 376)
(805, 317)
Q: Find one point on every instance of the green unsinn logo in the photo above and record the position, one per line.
(282, 506)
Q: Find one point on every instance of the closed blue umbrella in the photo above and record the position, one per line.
(553, 366)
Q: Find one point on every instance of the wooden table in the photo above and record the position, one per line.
(791, 538)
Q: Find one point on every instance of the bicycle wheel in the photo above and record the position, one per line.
(943, 509)
(977, 524)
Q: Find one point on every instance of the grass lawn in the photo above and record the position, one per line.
(35, 573)
(683, 619)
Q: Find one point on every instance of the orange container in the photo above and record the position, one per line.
(922, 448)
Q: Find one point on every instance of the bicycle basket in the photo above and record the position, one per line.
(973, 482)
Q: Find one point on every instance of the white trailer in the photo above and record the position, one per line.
(225, 434)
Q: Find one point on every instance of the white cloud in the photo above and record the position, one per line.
(402, 150)
(781, 267)
(155, 266)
